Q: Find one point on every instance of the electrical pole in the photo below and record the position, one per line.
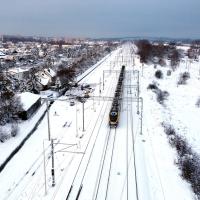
(83, 101)
(100, 85)
(93, 105)
(142, 68)
(103, 80)
(141, 115)
(52, 164)
(48, 122)
(138, 92)
(99, 89)
(45, 176)
(83, 117)
(76, 121)
(199, 66)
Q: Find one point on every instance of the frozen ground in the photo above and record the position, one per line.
(134, 164)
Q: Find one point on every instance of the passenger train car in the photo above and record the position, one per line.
(116, 104)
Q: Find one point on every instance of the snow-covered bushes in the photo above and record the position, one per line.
(161, 96)
(190, 167)
(183, 78)
(9, 104)
(3, 135)
(169, 130)
(198, 103)
(159, 74)
(169, 72)
(162, 62)
(181, 145)
(152, 86)
(177, 141)
(14, 130)
(188, 161)
(153, 53)
(175, 59)
(8, 131)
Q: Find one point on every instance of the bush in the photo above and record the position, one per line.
(3, 135)
(188, 161)
(161, 96)
(162, 62)
(187, 167)
(190, 168)
(152, 86)
(175, 58)
(183, 78)
(177, 141)
(159, 74)
(169, 72)
(182, 146)
(198, 103)
(14, 130)
(169, 129)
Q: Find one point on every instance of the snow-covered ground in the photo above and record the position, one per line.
(101, 163)
(180, 111)
(24, 129)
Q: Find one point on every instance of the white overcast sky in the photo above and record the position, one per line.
(100, 18)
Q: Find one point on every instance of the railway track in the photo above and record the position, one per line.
(108, 170)
(105, 166)
(83, 167)
(133, 137)
(109, 167)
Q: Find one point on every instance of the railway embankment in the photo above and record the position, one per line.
(26, 129)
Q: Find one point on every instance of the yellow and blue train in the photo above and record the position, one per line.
(116, 104)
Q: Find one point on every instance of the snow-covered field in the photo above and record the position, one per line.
(99, 163)
(181, 112)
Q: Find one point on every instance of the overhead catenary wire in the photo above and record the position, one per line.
(80, 152)
(133, 149)
(27, 172)
(69, 192)
(93, 148)
(127, 131)
(110, 166)
(100, 171)
(91, 155)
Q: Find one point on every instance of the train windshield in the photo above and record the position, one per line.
(113, 113)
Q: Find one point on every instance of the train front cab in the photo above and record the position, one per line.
(113, 118)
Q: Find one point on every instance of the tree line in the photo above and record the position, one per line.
(149, 51)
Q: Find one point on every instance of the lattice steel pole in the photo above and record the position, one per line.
(52, 164)
(48, 121)
(141, 115)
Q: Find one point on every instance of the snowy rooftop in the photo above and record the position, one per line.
(50, 72)
(44, 81)
(17, 70)
(43, 78)
(28, 99)
(2, 54)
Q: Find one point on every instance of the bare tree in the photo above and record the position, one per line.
(175, 58)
